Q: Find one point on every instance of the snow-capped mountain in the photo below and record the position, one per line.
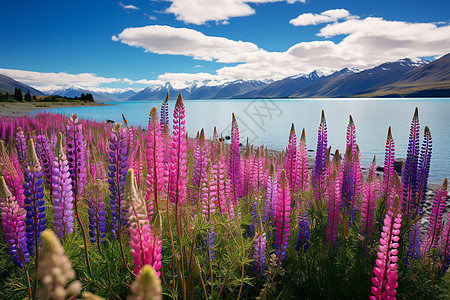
(99, 93)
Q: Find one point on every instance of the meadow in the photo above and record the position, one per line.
(93, 209)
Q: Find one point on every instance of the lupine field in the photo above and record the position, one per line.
(95, 210)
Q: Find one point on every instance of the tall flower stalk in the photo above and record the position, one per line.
(200, 156)
(302, 175)
(13, 176)
(334, 199)
(97, 223)
(319, 170)
(283, 216)
(290, 165)
(234, 165)
(389, 160)
(371, 192)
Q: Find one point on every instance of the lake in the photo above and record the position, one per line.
(268, 121)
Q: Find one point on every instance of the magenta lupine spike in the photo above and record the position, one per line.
(218, 188)
(178, 169)
(154, 157)
(409, 172)
(435, 225)
(164, 119)
(283, 216)
(21, 146)
(129, 138)
(62, 192)
(423, 169)
(146, 249)
(334, 199)
(272, 193)
(259, 256)
(351, 135)
(371, 192)
(75, 155)
(136, 164)
(200, 156)
(13, 175)
(444, 247)
(396, 189)
(291, 158)
(12, 221)
(46, 158)
(248, 169)
(389, 160)
(258, 177)
(234, 165)
(319, 170)
(385, 280)
(214, 143)
(302, 174)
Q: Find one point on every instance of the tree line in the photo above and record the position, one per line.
(27, 97)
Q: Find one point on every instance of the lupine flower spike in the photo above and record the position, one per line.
(55, 270)
(334, 199)
(208, 206)
(34, 201)
(389, 160)
(371, 191)
(303, 232)
(291, 158)
(12, 176)
(259, 254)
(318, 173)
(423, 169)
(444, 247)
(97, 224)
(385, 280)
(199, 169)
(283, 216)
(302, 175)
(218, 187)
(234, 165)
(62, 192)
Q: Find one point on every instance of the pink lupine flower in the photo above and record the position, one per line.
(218, 188)
(302, 175)
(234, 165)
(371, 192)
(283, 217)
(291, 158)
(385, 280)
(389, 160)
(13, 175)
(334, 199)
(200, 156)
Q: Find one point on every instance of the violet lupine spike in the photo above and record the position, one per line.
(96, 211)
(290, 164)
(164, 118)
(444, 247)
(200, 157)
(46, 158)
(409, 173)
(234, 165)
(259, 254)
(334, 199)
(178, 169)
(348, 183)
(154, 156)
(318, 173)
(385, 280)
(251, 229)
(146, 248)
(435, 225)
(423, 169)
(257, 178)
(248, 169)
(12, 221)
(117, 174)
(283, 216)
(13, 175)
(351, 135)
(21, 146)
(303, 232)
(208, 205)
(269, 196)
(302, 174)
(389, 160)
(34, 201)
(274, 196)
(371, 191)
(413, 250)
(76, 148)
(62, 192)
(218, 187)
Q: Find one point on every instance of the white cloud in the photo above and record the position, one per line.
(183, 41)
(201, 11)
(128, 7)
(328, 16)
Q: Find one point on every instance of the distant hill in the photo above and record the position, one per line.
(99, 94)
(431, 80)
(7, 84)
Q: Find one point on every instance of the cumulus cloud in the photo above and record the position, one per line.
(183, 41)
(201, 11)
(128, 7)
(328, 16)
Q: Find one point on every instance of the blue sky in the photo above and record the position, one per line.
(136, 43)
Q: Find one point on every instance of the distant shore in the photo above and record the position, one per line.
(18, 109)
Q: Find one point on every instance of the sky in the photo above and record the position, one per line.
(100, 44)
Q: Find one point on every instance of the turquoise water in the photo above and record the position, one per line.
(267, 122)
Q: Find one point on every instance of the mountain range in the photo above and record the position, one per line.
(402, 78)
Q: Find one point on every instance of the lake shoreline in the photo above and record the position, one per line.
(18, 109)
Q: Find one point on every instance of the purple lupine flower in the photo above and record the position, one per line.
(444, 247)
(291, 158)
(164, 119)
(283, 217)
(348, 183)
(389, 160)
(46, 159)
(234, 165)
(200, 157)
(409, 172)
(12, 221)
(413, 250)
(218, 187)
(273, 195)
(435, 225)
(259, 256)
(97, 224)
(34, 201)
(13, 174)
(268, 204)
(62, 192)
(75, 155)
(117, 173)
(302, 174)
(303, 232)
(21, 146)
(371, 192)
(334, 199)
(423, 168)
(318, 173)
(251, 229)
